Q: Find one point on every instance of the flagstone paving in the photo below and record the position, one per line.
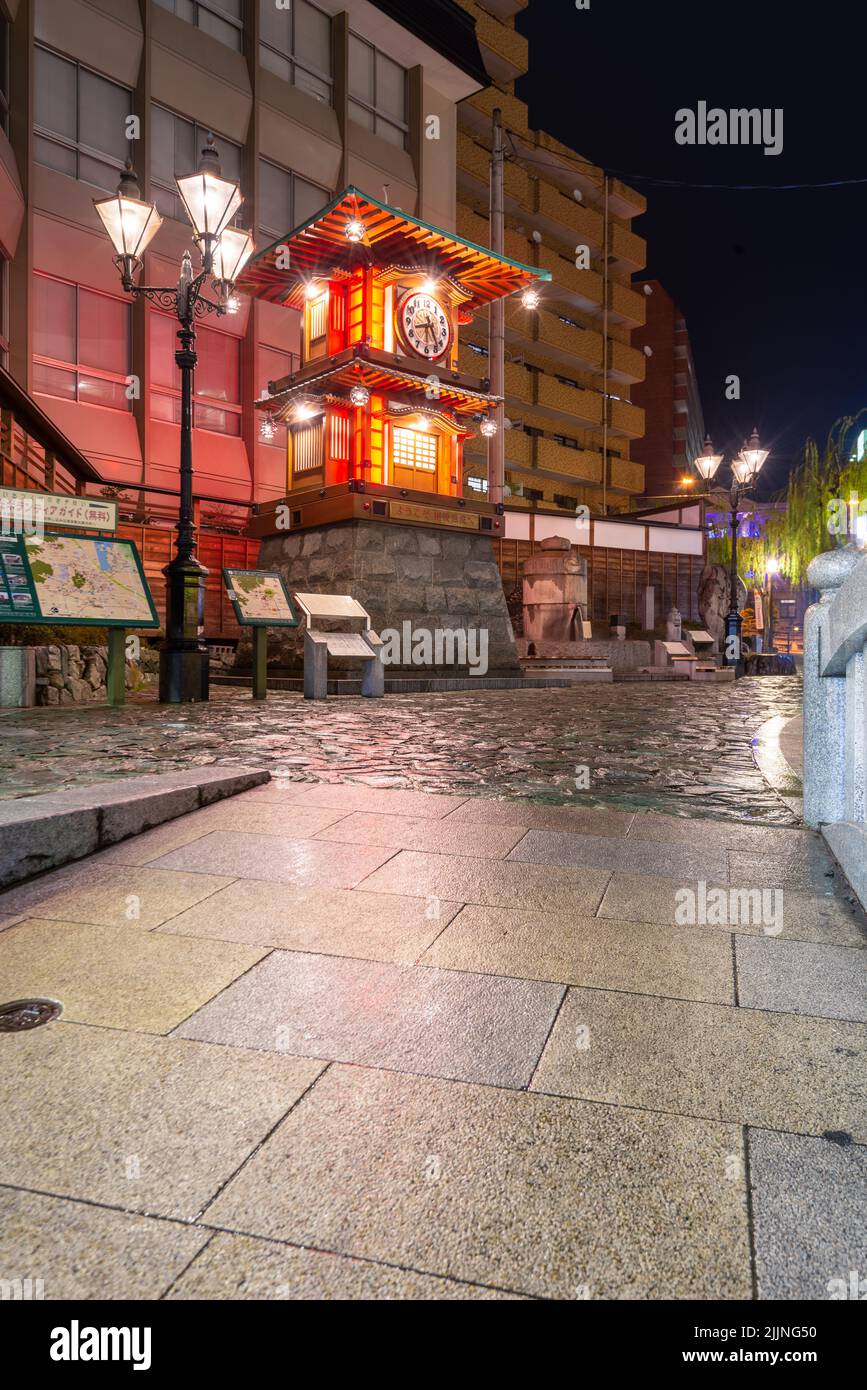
(343, 1041)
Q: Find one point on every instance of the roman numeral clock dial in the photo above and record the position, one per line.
(423, 325)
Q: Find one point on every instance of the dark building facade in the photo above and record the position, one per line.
(669, 395)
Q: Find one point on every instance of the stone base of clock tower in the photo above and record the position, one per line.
(434, 579)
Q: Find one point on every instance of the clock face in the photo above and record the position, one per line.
(423, 324)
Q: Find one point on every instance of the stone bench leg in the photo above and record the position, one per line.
(315, 669)
(373, 678)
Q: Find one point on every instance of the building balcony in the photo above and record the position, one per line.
(564, 219)
(504, 50)
(624, 201)
(503, 9)
(568, 404)
(475, 113)
(473, 176)
(625, 419)
(573, 288)
(626, 476)
(517, 447)
(626, 306)
(625, 363)
(581, 465)
(560, 343)
(629, 251)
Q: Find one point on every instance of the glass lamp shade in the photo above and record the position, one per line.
(707, 463)
(210, 201)
(232, 253)
(131, 223)
(488, 428)
(743, 469)
(753, 456)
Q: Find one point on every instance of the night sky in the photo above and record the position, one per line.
(772, 284)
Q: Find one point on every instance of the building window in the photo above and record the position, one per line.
(477, 484)
(377, 92)
(477, 349)
(177, 147)
(533, 494)
(81, 344)
(565, 441)
(570, 503)
(414, 449)
(216, 382)
(308, 446)
(295, 43)
(80, 121)
(285, 201)
(222, 19)
(274, 364)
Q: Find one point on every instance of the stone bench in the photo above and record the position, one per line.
(319, 644)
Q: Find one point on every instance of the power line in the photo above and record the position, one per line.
(681, 183)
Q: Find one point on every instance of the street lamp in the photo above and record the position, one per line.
(745, 469)
(210, 202)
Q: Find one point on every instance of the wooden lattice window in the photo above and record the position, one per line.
(307, 443)
(414, 449)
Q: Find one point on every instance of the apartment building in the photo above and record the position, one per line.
(570, 365)
(669, 395)
(302, 100)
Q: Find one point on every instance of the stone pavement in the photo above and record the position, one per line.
(675, 747)
(329, 1040)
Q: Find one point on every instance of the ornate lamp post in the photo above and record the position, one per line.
(210, 202)
(745, 469)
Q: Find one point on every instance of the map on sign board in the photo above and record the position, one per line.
(260, 598)
(89, 580)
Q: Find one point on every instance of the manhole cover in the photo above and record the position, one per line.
(22, 1014)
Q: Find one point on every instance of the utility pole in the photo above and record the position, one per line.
(497, 319)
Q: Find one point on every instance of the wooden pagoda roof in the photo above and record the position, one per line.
(366, 366)
(320, 249)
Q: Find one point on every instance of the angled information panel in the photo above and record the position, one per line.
(260, 598)
(91, 581)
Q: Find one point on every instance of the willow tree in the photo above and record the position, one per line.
(822, 487)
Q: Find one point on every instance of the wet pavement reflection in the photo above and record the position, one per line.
(675, 748)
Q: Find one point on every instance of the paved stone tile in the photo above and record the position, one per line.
(801, 978)
(434, 836)
(118, 977)
(622, 855)
(682, 962)
(809, 1214)
(111, 895)
(81, 1251)
(524, 1192)
(532, 815)
(150, 1124)
(721, 834)
(436, 1022)
(805, 916)
(306, 863)
(354, 796)
(292, 823)
(813, 870)
(330, 921)
(235, 1267)
(775, 1070)
(500, 884)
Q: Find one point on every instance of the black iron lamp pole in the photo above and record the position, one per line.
(210, 202)
(745, 469)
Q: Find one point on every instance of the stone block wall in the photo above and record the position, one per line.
(73, 675)
(431, 578)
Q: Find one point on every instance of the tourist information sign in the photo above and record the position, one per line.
(17, 594)
(260, 598)
(91, 581)
(29, 511)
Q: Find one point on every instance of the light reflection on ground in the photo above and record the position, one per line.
(677, 748)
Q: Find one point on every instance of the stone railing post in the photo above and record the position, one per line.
(828, 761)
